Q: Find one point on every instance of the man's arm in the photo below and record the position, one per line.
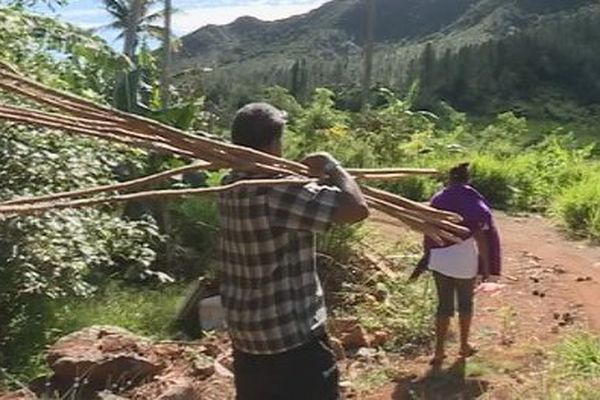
(352, 207)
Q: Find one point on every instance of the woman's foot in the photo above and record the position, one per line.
(437, 360)
(467, 351)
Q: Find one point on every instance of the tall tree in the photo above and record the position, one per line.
(134, 19)
(368, 53)
(167, 48)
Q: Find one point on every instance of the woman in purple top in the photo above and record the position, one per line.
(456, 266)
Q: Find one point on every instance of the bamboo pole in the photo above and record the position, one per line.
(129, 185)
(407, 171)
(26, 209)
(404, 202)
(87, 118)
(92, 133)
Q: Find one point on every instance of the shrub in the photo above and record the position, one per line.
(493, 179)
(579, 355)
(407, 313)
(579, 207)
(572, 371)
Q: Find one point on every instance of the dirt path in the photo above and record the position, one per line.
(552, 287)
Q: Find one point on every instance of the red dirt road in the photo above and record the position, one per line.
(553, 287)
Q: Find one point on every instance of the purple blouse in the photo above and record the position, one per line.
(475, 211)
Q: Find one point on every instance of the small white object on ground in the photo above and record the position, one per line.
(489, 287)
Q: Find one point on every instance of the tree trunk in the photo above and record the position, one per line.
(167, 60)
(128, 81)
(164, 88)
(368, 53)
(131, 32)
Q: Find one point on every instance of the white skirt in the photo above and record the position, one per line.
(457, 261)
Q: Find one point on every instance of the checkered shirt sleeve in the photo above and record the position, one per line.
(306, 208)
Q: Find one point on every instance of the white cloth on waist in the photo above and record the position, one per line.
(457, 261)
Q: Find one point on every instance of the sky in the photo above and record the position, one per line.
(192, 14)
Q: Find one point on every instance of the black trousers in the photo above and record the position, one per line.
(308, 372)
(451, 291)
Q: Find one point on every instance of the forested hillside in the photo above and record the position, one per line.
(481, 56)
(124, 250)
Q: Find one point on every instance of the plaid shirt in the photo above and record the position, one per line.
(270, 290)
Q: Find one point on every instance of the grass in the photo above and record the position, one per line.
(143, 311)
(406, 313)
(578, 356)
(572, 371)
(404, 310)
(579, 207)
(371, 378)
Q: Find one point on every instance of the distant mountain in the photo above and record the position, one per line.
(324, 46)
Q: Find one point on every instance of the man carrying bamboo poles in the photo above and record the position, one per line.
(270, 290)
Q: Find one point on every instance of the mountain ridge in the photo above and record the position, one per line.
(325, 46)
(344, 20)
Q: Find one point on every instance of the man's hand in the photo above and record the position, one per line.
(352, 206)
(318, 161)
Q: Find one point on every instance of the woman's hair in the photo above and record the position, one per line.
(460, 173)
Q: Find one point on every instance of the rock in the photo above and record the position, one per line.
(345, 384)
(18, 395)
(338, 348)
(366, 353)
(558, 269)
(204, 366)
(341, 325)
(369, 298)
(356, 338)
(181, 389)
(223, 371)
(379, 338)
(106, 395)
(102, 354)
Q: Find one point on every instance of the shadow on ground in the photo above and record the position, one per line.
(445, 384)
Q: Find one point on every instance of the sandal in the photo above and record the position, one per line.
(436, 361)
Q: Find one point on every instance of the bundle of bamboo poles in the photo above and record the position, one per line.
(74, 115)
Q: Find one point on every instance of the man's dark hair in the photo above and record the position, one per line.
(257, 125)
(460, 174)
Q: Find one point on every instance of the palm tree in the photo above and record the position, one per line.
(134, 18)
(368, 53)
(167, 48)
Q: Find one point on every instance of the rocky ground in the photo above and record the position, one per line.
(551, 288)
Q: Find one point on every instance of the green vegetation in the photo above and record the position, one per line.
(143, 310)
(515, 166)
(572, 371)
(535, 57)
(128, 265)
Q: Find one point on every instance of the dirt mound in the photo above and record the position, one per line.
(105, 362)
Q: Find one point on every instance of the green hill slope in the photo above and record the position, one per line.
(324, 47)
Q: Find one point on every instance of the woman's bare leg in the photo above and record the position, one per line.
(442, 325)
